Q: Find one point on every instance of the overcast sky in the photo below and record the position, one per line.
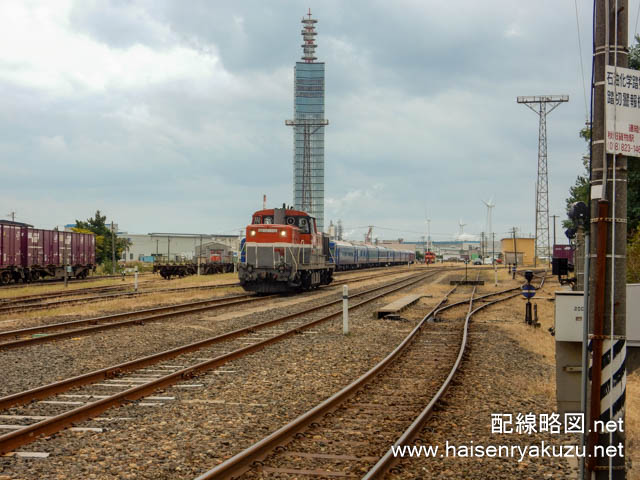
(169, 115)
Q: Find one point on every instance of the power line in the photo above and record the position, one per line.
(584, 88)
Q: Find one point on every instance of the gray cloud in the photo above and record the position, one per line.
(170, 116)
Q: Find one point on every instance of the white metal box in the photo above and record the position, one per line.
(633, 314)
(569, 308)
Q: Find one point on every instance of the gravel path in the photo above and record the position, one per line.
(36, 365)
(233, 408)
(500, 376)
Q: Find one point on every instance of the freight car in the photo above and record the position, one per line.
(28, 254)
(168, 270)
(211, 260)
(350, 256)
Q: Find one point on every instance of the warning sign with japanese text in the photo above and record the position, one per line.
(622, 110)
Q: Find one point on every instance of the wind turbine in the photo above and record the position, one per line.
(461, 225)
(489, 203)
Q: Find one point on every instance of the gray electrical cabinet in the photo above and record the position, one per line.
(568, 318)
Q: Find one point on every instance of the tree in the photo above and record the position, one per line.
(633, 180)
(580, 190)
(98, 226)
(633, 258)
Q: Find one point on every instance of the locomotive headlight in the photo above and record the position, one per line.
(252, 233)
(283, 233)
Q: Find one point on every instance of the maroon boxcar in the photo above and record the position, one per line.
(563, 251)
(28, 253)
(10, 253)
(32, 247)
(83, 248)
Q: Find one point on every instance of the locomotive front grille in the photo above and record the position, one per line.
(271, 256)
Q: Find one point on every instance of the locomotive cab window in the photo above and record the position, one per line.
(257, 220)
(303, 224)
(267, 220)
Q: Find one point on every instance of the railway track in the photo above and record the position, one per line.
(40, 302)
(349, 433)
(44, 283)
(17, 306)
(135, 380)
(57, 331)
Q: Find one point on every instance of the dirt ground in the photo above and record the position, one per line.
(541, 342)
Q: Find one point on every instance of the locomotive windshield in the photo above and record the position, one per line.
(268, 220)
(257, 220)
(303, 224)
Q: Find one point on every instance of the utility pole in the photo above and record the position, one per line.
(554, 230)
(515, 250)
(493, 248)
(113, 250)
(12, 214)
(607, 249)
(542, 183)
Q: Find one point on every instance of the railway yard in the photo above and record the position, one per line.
(194, 378)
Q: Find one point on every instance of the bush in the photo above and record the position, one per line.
(633, 258)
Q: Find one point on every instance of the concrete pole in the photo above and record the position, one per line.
(345, 309)
(113, 250)
(607, 272)
(135, 279)
(515, 250)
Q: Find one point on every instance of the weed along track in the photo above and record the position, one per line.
(349, 434)
(92, 392)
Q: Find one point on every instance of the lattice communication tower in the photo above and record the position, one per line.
(309, 113)
(542, 106)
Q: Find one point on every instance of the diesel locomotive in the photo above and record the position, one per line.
(284, 252)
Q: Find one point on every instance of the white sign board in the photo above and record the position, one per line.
(622, 110)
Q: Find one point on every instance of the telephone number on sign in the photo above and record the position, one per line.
(622, 147)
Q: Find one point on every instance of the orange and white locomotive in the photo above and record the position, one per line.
(284, 252)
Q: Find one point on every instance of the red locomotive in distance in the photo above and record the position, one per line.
(429, 257)
(284, 252)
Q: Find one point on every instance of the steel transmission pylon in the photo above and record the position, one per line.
(542, 106)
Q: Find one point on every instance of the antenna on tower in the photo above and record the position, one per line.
(308, 36)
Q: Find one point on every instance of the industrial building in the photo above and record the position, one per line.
(172, 246)
(525, 248)
(454, 250)
(308, 127)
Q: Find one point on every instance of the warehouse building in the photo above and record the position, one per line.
(524, 247)
(172, 246)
